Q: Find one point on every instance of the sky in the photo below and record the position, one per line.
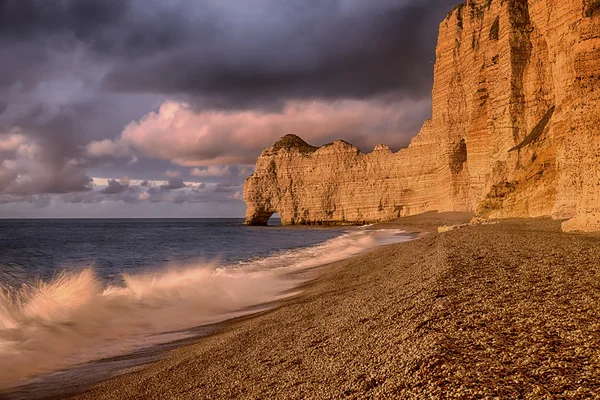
(159, 108)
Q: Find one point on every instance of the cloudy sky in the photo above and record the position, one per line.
(159, 108)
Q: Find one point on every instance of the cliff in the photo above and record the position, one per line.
(515, 131)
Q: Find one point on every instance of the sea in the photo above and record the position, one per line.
(74, 292)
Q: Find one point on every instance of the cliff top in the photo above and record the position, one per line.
(294, 142)
(338, 142)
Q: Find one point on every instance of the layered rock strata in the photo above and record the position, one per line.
(515, 131)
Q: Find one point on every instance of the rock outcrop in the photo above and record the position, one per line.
(515, 131)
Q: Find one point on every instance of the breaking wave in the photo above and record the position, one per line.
(76, 318)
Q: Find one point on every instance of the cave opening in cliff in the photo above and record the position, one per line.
(274, 220)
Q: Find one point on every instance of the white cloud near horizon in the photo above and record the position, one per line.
(211, 171)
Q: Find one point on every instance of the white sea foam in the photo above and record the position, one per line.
(74, 318)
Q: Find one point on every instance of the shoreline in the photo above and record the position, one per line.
(74, 379)
(505, 310)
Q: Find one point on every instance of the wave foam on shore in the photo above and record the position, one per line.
(76, 318)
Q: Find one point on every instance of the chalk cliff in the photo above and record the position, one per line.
(515, 130)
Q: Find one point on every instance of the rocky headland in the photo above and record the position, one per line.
(514, 131)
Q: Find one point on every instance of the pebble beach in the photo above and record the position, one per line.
(507, 310)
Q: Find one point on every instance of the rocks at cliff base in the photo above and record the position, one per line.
(514, 131)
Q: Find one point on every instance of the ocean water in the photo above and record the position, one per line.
(76, 291)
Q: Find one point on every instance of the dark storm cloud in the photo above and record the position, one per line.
(295, 49)
(23, 19)
(244, 54)
(36, 34)
(47, 159)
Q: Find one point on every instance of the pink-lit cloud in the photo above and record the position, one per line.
(10, 142)
(188, 138)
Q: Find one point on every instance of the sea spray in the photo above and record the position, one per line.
(76, 317)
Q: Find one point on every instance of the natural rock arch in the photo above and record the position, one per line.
(259, 218)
